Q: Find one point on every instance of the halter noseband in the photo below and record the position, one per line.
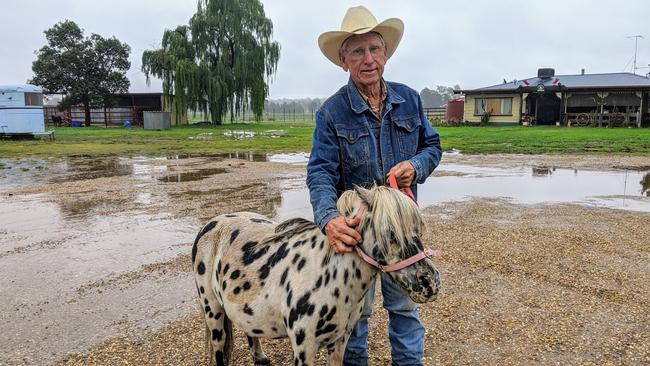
(395, 266)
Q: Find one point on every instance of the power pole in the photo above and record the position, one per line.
(636, 41)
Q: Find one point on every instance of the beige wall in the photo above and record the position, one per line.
(470, 102)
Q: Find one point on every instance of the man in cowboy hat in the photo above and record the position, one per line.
(366, 130)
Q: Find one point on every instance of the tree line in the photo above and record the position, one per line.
(436, 97)
(302, 105)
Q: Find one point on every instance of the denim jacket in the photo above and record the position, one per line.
(352, 147)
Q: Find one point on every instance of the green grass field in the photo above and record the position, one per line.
(296, 136)
(547, 139)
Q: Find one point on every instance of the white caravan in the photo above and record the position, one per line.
(21, 110)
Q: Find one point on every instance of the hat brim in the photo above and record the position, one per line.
(391, 31)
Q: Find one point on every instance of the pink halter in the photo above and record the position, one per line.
(395, 266)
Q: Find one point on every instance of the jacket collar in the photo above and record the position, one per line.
(359, 105)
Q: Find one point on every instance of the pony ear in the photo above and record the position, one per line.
(366, 195)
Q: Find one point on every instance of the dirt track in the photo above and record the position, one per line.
(523, 284)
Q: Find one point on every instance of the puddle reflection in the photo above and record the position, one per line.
(241, 134)
(20, 173)
(191, 176)
(616, 189)
(645, 185)
(628, 190)
(85, 168)
(263, 198)
(82, 209)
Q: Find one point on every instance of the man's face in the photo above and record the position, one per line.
(364, 56)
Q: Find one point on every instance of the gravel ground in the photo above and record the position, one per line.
(523, 284)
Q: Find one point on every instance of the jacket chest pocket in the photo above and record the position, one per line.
(408, 131)
(354, 145)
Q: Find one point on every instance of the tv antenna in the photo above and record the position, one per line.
(636, 41)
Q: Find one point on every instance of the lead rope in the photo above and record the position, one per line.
(406, 190)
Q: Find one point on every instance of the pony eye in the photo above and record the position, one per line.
(418, 242)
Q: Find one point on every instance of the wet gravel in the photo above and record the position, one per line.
(523, 284)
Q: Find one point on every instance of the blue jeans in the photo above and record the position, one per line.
(405, 330)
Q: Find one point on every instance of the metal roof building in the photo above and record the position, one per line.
(612, 99)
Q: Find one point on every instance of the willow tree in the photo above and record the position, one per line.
(221, 62)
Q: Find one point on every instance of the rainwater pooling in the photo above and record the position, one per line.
(620, 189)
(191, 175)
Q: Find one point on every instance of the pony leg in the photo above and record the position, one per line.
(255, 346)
(218, 334)
(305, 353)
(336, 351)
(218, 326)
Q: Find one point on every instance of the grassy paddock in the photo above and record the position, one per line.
(296, 136)
(547, 139)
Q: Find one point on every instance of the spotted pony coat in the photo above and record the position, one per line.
(275, 281)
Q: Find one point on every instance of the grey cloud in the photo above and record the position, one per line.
(471, 43)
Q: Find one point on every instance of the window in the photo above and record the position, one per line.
(496, 106)
(33, 99)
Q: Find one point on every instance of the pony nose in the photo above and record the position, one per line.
(429, 277)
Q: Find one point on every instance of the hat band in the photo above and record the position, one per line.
(358, 29)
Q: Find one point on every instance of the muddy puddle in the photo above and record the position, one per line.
(619, 189)
(97, 248)
(93, 249)
(191, 176)
(240, 134)
(49, 252)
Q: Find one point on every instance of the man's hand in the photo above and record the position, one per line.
(341, 233)
(404, 173)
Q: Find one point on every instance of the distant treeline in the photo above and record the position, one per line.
(431, 98)
(438, 97)
(289, 106)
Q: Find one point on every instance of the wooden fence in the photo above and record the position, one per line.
(436, 113)
(603, 119)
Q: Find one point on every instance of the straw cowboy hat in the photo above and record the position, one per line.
(359, 20)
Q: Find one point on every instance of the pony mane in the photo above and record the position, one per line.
(289, 228)
(393, 216)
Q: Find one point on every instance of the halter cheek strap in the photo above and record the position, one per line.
(399, 265)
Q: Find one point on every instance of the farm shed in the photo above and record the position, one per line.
(124, 107)
(21, 110)
(604, 100)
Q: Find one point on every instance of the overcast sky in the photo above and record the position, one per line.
(470, 43)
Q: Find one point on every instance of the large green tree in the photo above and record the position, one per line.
(220, 62)
(87, 70)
